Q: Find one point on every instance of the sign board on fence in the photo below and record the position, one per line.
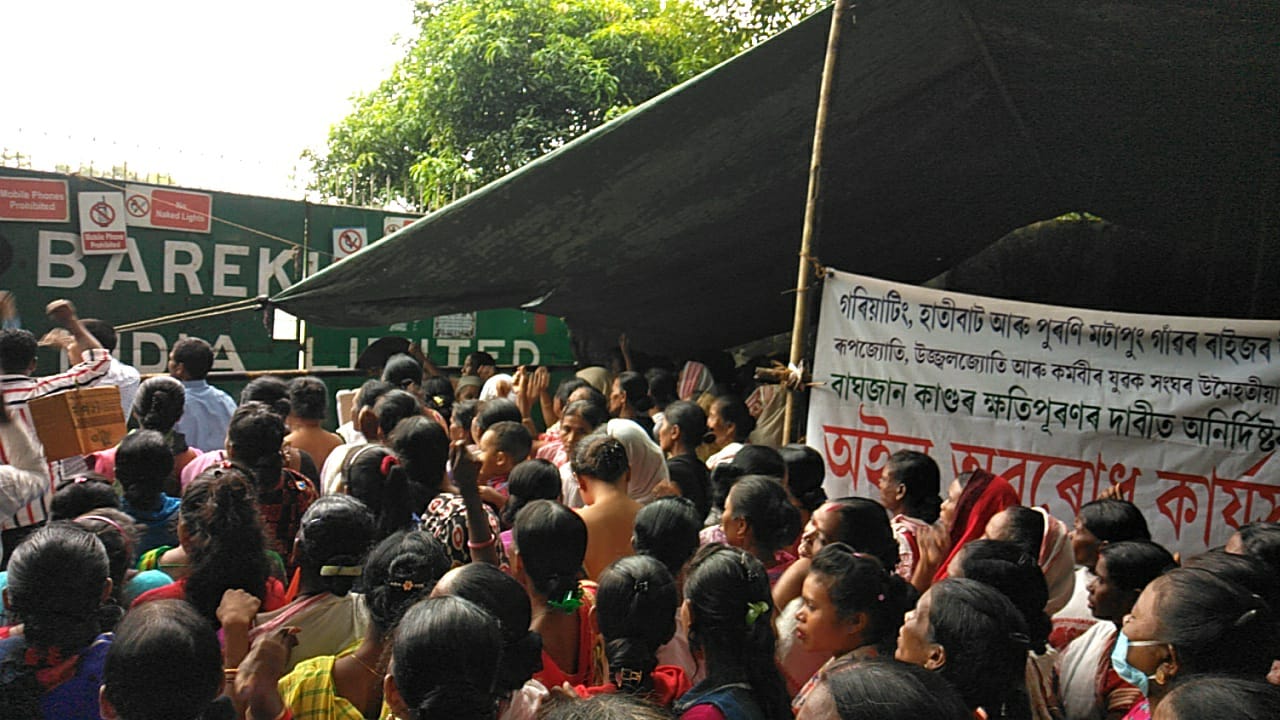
(79, 421)
(102, 225)
(34, 200)
(348, 240)
(1063, 402)
(392, 224)
(168, 209)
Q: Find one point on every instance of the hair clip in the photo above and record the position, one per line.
(1246, 617)
(570, 603)
(755, 610)
(406, 585)
(640, 587)
(341, 571)
(388, 462)
(80, 479)
(880, 597)
(1020, 638)
(625, 676)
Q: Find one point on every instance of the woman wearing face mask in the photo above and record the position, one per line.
(1088, 686)
(1187, 623)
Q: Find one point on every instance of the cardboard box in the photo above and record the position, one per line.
(79, 421)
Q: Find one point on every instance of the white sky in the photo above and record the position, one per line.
(223, 95)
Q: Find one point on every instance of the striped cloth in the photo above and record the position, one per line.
(18, 390)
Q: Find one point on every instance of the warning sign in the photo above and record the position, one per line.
(34, 200)
(102, 226)
(153, 207)
(348, 240)
(395, 224)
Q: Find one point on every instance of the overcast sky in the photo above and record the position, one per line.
(222, 95)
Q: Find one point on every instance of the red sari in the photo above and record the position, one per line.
(983, 496)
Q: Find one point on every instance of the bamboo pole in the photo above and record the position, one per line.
(812, 202)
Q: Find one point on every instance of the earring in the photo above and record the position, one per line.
(1161, 676)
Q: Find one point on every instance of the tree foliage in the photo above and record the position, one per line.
(489, 85)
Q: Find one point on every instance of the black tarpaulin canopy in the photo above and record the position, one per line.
(952, 123)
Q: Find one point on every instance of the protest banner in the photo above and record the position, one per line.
(1062, 402)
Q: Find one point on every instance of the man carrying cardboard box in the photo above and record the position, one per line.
(17, 387)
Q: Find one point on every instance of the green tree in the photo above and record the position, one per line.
(489, 85)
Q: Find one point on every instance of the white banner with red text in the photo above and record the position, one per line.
(1062, 402)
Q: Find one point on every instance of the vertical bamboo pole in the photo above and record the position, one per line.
(812, 202)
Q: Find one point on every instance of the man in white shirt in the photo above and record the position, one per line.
(125, 377)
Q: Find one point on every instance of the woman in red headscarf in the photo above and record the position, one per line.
(972, 500)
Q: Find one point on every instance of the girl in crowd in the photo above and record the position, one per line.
(972, 500)
(220, 531)
(858, 523)
(164, 664)
(644, 458)
(384, 493)
(549, 543)
(730, 424)
(400, 571)
(1009, 568)
(437, 396)
(519, 695)
(759, 517)
(1087, 684)
(629, 399)
(1260, 539)
(143, 465)
(158, 406)
(453, 514)
(254, 440)
(909, 487)
(728, 611)
(851, 610)
(882, 689)
(971, 634)
(682, 431)
(51, 668)
(445, 662)
(1046, 539)
(667, 530)
(1214, 695)
(1189, 622)
(531, 480)
(1098, 522)
(119, 534)
(636, 608)
(806, 470)
(80, 495)
(336, 533)
(580, 419)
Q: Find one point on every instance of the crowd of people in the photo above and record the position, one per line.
(630, 544)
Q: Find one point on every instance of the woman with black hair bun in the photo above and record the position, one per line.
(386, 494)
(402, 570)
(549, 544)
(143, 465)
(629, 399)
(859, 523)
(119, 536)
(806, 471)
(1087, 683)
(1107, 520)
(157, 406)
(78, 495)
(445, 662)
(220, 531)
(881, 689)
(1009, 568)
(519, 695)
(255, 439)
(1187, 623)
(730, 424)
(336, 534)
(682, 430)
(728, 611)
(533, 479)
(759, 518)
(667, 530)
(976, 639)
(57, 580)
(851, 609)
(636, 605)
(164, 664)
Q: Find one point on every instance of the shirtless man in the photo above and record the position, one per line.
(601, 466)
(308, 401)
